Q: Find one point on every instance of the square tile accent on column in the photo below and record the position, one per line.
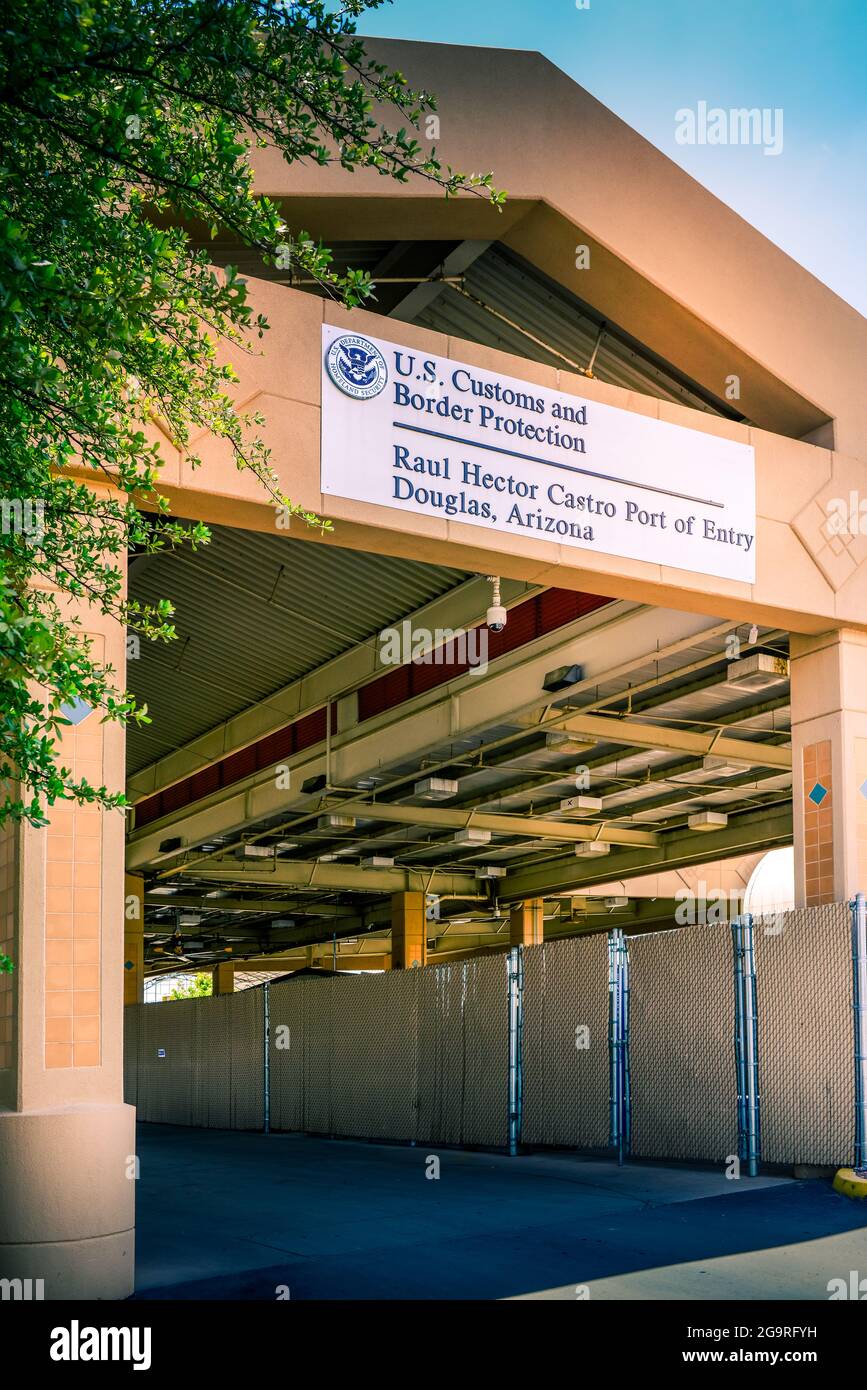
(818, 823)
(73, 908)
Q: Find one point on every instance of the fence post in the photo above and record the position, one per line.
(620, 1110)
(859, 1006)
(746, 1043)
(515, 969)
(266, 1067)
(626, 1087)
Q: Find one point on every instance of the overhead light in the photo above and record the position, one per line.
(163, 888)
(367, 784)
(491, 871)
(436, 789)
(582, 805)
(333, 821)
(325, 858)
(283, 923)
(587, 848)
(285, 846)
(726, 767)
(190, 919)
(314, 784)
(249, 851)
(472, 835)
(560, 741)
(708, 820)
(757, 672)
(612, 903)
(377, 861)
(562, 677)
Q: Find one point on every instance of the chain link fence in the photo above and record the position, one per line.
(806, 1071)
(423, 1055)
(681, 1048)
(566, 1043)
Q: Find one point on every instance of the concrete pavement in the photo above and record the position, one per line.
(230, 1215)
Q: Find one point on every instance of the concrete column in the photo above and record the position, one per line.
(526, 926)
(408, 930)
(829, 757)
(67, 1141)
(133, 940)
(224, 977)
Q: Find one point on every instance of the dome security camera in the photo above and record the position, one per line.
(496, 616)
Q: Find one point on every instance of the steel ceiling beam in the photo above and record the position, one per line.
(613, 729)
(767, 828)
(335, 877)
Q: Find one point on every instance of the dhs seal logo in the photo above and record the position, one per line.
(356, 366)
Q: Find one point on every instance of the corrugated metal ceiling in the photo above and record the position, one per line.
(519, 292)
(254, 612)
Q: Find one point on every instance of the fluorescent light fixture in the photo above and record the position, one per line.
(377, 861)
(616, 902)
(436, 789)
(491, 871)
(757, 672)
(582, 805)
(726, 767)
(333, 821)
(708, 820)
(254, 852)
(472, 835)
(590, 848)
(561, 741)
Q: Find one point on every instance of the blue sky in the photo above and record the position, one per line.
(646, 59)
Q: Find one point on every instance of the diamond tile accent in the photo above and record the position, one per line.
(818, 794)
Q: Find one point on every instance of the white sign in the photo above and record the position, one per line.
(429, 435)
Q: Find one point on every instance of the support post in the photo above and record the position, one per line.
(620, 1110)
(515, 972)
(527, 923)
(746, 1044)
(223, 975)
(408, 931)
(266, 1067)
(859, 1006)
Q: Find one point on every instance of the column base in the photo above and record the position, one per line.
(67, 1200)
